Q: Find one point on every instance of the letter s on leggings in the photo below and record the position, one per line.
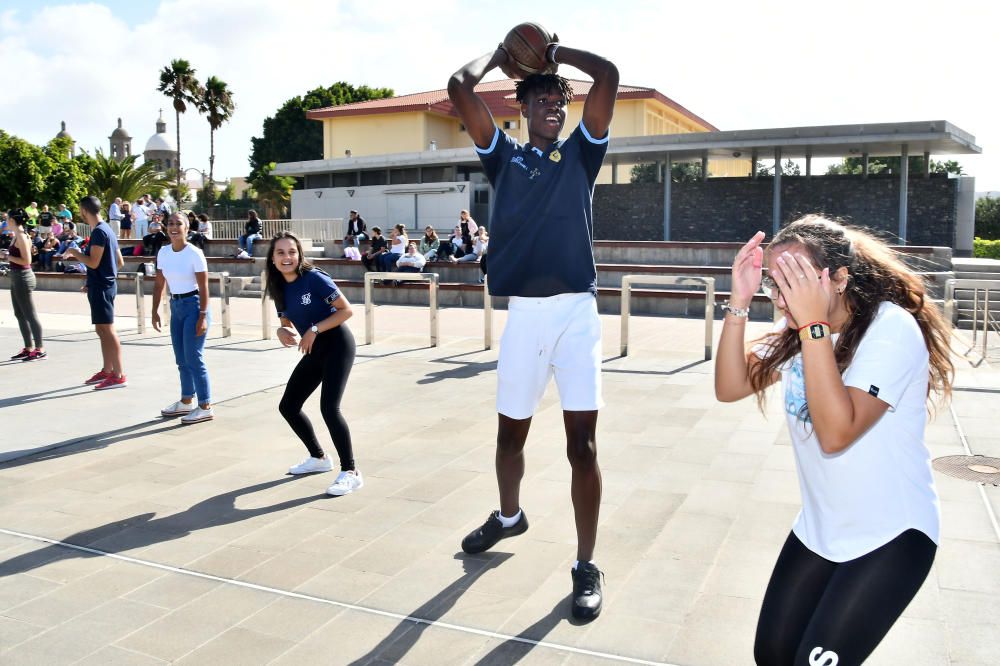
(820, 658)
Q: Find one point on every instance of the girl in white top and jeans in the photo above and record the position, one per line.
(183, 267)
(857, 351)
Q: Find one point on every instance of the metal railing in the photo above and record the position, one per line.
(487, 315)
(265, 312)
(431, 278)
(317, 230)
(976, 285)
(626, 306)
(225, 293)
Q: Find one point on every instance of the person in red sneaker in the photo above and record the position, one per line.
(22, 284)
(102, 258)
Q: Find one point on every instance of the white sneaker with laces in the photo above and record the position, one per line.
(312, 466)
(347, 482)
(197, 415)
(178, 409)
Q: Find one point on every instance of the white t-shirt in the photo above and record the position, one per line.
(179, 267)
(398, 245)
(880, 486)
(205, 228)
(139, 213)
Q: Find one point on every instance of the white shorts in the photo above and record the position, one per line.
(558, 335)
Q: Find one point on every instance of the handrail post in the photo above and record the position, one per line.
(487, 315)
(225, 284)
(369, 310)
(709, 315)
(975, 313)
(626, 309)
(986, 317)
(949, 302)
(140, 303)
(265, 313)
(433, 302)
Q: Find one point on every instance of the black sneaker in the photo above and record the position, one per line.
(492, 531)
(587, 595)
(21, 355)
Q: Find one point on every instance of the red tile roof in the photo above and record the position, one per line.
(498, 95)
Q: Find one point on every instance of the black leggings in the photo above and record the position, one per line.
(329, 363)
(822, 613)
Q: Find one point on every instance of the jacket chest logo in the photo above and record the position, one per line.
(307, 298)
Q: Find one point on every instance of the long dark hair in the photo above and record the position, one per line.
(275, 280)
(876, 273)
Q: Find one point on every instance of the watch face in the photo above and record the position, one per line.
(816, 331)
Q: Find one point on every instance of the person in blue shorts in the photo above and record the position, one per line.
(103, 258)
(552, 323)
(314, 316)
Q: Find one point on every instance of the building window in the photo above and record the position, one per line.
(461, 127)
(482, 197)
(376, 177)
(437, 174)
(511, 124)
(404, 176)
(316, 181)
(345, 179)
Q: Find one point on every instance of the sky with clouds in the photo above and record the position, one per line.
(740, 65)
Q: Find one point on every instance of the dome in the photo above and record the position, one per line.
(63, 134)
(160, 143)
(120, 132)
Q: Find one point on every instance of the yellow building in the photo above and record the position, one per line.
(428, 121)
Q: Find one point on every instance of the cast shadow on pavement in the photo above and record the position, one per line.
(394, 647)
(85, 443)
(53, 394)
(512, 650)
(145, 530)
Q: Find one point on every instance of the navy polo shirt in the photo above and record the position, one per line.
(542, 224)
(104, 276)
(309, 299)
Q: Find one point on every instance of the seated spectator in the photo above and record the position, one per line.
(48, 250)
(429, 244)
(36, 246)
(355, 230)
(71, 241)
(376, 250)
(397, 247)
(154, 240)
(479, 245)
(6, 239)
(454, 247)
(469, 228)
(64, 215)
(204, 226)
(68, 234)
(251, 233)
(412, 261)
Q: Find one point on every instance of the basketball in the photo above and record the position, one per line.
(525, 45)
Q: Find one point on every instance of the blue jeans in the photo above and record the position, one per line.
(189, 348)
(247, 240)
(387, 262)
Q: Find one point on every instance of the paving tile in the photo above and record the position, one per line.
(238, 646)
(14, 632)
(115, 656)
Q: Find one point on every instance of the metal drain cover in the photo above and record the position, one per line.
(981, 469)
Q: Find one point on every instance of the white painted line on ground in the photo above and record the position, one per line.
(982, 489)
(339, 604)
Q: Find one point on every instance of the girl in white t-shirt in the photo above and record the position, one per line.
(858, 349)
(183, 267)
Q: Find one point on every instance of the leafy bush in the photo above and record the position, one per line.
(988, 217)
(986, 249)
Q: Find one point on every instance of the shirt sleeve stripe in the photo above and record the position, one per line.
(493, 144)
(592, 139)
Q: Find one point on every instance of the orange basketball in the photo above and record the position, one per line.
(525, 45)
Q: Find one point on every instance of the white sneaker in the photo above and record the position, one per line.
(178, 409)
(243, 255)
(198, 415)
(347, 482)
(311, 466)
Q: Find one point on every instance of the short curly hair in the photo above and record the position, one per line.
(535, 82)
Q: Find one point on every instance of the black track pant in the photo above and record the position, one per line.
(822, 613)
(329, 363)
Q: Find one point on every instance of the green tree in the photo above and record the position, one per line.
(217, 104)
(273, 192)
(111, 178)
(48, 175)
(68, 177)
(988, 218)
(179, 83)
(854, 166)
(289, 136)
(680, 172)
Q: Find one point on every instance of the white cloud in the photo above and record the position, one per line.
(737, 64)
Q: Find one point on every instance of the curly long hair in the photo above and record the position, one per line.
(876, 273)
(275, 280)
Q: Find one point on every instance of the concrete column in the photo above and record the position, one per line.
(864, 164)
(927, 164)
(753, 164)
(776, 195)
(809, 165)
(614, 170)
(704, 165)
(904, 181)
(667, 181)
(659, 171)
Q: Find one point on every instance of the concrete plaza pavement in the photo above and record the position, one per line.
(200, 550)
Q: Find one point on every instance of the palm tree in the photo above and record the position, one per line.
(217, 103)
(179, 83)
(111, 178)
(273, 192)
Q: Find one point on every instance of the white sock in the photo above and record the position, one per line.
(576, 563)
(509, 522)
